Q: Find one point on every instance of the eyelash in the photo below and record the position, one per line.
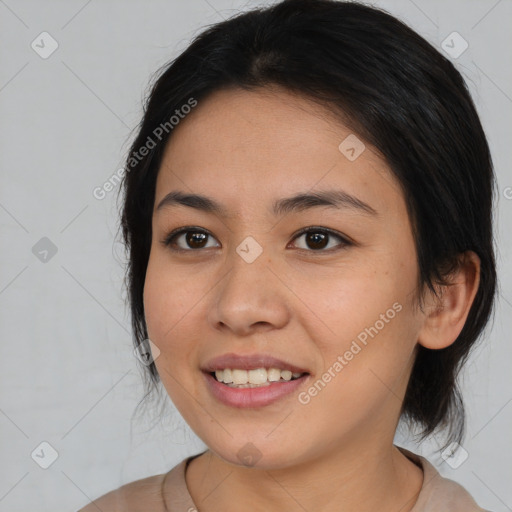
(169, 239)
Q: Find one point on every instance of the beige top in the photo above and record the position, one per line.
(437, 494)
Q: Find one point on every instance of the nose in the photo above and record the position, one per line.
(251, 298)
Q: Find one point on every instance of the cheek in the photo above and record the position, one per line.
(172, 306)
(163, 307)
(155, 306)
(166, 297)
(371, 323)
(163, 310)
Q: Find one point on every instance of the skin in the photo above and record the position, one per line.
(305, 306)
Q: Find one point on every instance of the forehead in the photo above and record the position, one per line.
(270, 141)
(269, 123)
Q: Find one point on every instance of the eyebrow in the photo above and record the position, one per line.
(327, 198)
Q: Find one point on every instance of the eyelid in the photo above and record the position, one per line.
(345, 240)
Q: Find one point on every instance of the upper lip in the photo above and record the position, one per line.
(249, 362)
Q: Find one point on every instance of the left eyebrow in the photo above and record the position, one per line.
(338, 199)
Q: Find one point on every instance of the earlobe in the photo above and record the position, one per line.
(446, 315)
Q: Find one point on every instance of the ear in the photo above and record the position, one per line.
(445, 317)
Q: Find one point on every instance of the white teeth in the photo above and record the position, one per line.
(286, 375)
(274, 374)
(242, 386)
(240, 376)
(259, 376)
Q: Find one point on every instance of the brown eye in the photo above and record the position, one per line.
(191, 239)
(318, 240)
(195, 240)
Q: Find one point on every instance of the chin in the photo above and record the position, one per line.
(264, 454)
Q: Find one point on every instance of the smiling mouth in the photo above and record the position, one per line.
(259, 377)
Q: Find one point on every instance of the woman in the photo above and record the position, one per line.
(308, 212)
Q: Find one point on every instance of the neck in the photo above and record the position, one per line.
(350, 479)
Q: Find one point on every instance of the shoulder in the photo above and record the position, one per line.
(138, 496)
(449, 495)
(438, 493)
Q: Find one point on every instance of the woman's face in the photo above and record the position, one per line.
(336, 302)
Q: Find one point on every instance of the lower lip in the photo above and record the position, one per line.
(252, 397)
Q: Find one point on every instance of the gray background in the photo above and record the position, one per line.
(68, 374)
